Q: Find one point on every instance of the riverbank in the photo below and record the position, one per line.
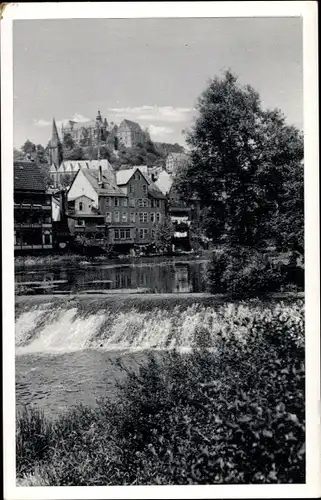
(77, 259)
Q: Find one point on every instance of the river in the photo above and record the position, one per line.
(153, 275)
(64, 357)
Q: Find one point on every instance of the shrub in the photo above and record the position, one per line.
(245, 272)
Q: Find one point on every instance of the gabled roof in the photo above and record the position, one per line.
(109, 183)
(123, 176)
(74, 165)
(28, 177)
(164, 182)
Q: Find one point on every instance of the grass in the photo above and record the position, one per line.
(233, 414)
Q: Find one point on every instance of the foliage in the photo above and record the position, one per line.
(164, 235)
(234, 414)
(246, 167)
(244, 272)
(165, 148)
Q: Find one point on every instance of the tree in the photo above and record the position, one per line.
(28, 148)
(164, 235)
(245, 165)
(68, 142)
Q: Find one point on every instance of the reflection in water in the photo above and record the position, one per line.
(158, 277)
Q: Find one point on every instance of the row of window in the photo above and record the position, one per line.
(142, 217)
(123, 202)
(124, 234)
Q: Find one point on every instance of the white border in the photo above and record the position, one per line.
(308, 10)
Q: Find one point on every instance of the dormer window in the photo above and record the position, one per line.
(80, 206)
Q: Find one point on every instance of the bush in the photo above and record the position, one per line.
(232, 414)
(245, 272)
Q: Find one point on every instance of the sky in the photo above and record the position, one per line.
(148, 70)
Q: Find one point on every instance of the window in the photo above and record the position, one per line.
(122, 234)
(152, 204)
(143, 233)
(124, 217)
(140, 202)
(116, 216)
(131, 188)
(125, 202)
(80, 222)
(116, 202)
(108, 216)
(132, 202)
(80, 206)
(158, 217)
(145, 188)
(132, 217)
(158, 203)
(143, 217)
(153, 234)
(47, 239)
(145, 202)
(108, 204)
(152, 217)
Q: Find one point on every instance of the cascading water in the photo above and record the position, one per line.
(65, 329)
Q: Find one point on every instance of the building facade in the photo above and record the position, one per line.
(130, 134)
(87, 133)
(67, 170)
(119, 209)
(32, 209)
(174, 161)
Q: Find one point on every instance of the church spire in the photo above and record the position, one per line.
(55, 147)
(54, 136)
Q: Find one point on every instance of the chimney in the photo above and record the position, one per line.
(100, 176)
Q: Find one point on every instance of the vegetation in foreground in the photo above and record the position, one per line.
(234, 414)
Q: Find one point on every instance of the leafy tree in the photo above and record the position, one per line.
(68, 142)
(41, 156)
(164, 235)
(77, 153)
(246, 165)
(28, 148)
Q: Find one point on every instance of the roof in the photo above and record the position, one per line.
(78, 125)
(123, 176)
(74, 165)
(109, 183)
(155, 191)
(132, 125)
(164, 182)
(178, 156)
(28, 177)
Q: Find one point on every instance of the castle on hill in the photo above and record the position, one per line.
(98, 131)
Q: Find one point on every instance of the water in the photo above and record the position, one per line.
(146, 275)
(69, 352)
(54, 383)
(64, 357)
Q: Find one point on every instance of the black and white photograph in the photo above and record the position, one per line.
(158, 260)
